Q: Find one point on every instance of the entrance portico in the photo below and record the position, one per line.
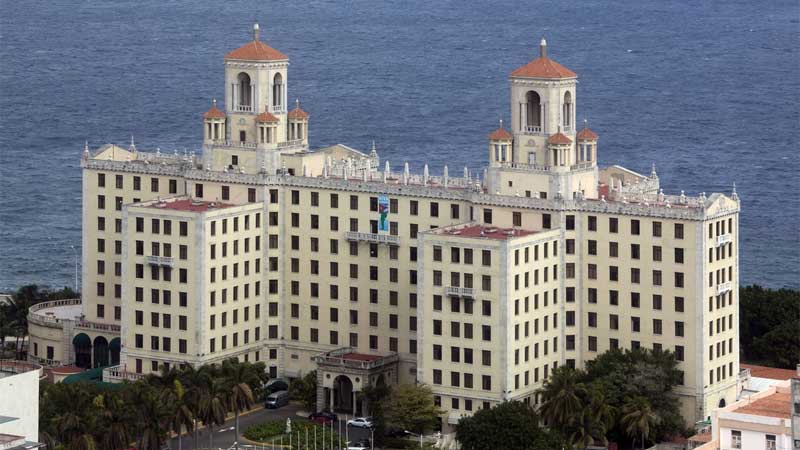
(343, 375)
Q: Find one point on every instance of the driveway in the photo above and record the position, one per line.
(224, 435)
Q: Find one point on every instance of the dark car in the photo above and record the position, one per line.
(394, 432)
(323, 417)
(275, 385)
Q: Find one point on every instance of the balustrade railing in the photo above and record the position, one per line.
(277, 109)
(117, 374)
(243, 108)
(337, 358)
(724, 239)
(458, 291)
(87, 325)
(166, 261)
(525, 166)
(373, 237)
(531, 129)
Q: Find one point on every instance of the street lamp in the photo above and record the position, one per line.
(75, 251)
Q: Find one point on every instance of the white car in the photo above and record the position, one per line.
(360, 422)
(356, 446)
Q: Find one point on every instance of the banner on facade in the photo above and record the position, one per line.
(383, 212)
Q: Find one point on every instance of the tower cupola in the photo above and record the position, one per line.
(214, 124)
(587, 146)
(500, 147)
(298, 124)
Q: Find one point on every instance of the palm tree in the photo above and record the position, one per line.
(181, 414)
(638, 418)
(115, 423)
(562, 397)
(213, 407)
(238, 378)
(586, 430)
(195, 382)
(153, 417)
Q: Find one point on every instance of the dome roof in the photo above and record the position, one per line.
(298, 113)
(587, 135)
(559, 139)
(543, 67)
(214, 113)
(266, 117)
(256, 51)
(500, 134)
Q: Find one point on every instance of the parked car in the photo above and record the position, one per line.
(360, 422)
(394, 432)
(277, 399)
(323, 417)
(360, 445)
(275, 385)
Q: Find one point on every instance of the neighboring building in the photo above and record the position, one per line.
(477, 286)
(19, 408)
(759, 422)
(795, 384)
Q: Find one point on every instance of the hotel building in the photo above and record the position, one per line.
(477, 284)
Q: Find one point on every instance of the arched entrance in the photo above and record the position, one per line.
(83, 350)
(343, 394)
(114, 348)
(100, 351)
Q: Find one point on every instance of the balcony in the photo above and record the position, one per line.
(724, 287)
(277, 109)
(458, 291)
(724, 239)
(118, 374)
(532, 129)
(165, 261)
(96, 326)
(373, 238)
(243, 108)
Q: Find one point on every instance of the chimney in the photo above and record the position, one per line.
(543, 48)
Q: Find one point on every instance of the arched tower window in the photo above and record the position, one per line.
(533, 112)
(277, 90)
(567, 111)
(245, 92)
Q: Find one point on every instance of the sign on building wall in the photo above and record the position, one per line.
(383, 212)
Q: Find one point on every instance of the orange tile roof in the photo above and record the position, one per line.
(266, 117)
(214, 113)
(587, 135)
(776, 405)
(298, 113)
(543, 67)
(256, 51)
(501, 134)
(559, 138)
(772, 373)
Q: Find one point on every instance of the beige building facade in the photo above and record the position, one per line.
(476, 284)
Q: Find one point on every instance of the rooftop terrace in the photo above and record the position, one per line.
(777, 405)
(186, 204)
(478, 231)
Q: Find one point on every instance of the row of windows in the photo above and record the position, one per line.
(721, 349)
(720, 252)
(635, 253)
(160, 343)
(635, 299)
(235, 224)
(526, 351)
(634, 229)
(234, 247)
(613, 323)
(721, 276)
(545, 297)
(119, 183)
(160, 320)
(724, 371)
(157, 228)
(333, 289)
(635, 278)
(456, 380)
(333, 338)
(457, 327)
(161, 296)
(165, 273)
(373, 299)
(234, 316)
(234, 290)
(718, 228)
(212, 343)
(721, 326)
(333, 316)
(101, 313)
(234, 270)
(720, 300)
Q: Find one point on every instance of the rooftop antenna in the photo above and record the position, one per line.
(133, 145)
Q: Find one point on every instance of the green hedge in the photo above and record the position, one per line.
(271, 432)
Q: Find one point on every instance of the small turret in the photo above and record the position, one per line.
(500, 147)
(587, 145)
(298, 125)
(214, 124)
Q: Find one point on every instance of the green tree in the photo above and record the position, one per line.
(213, 407)
(238, 378)
(377, 395)
(116, 423)
(181, 413)
(638, 418)
(411, 407)
(304, 390)
(769, 320)
(153, 417)
(562, 397)
(508, 426)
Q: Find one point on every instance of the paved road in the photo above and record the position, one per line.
(224, 435)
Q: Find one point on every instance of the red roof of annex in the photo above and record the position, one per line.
(559, 138)
(266, 117)
(543, 67)
(298, 113)
(587, 135)
(501, 134)
(256, 50)
(214, 112)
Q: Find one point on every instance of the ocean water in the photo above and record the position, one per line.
(706, 90)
